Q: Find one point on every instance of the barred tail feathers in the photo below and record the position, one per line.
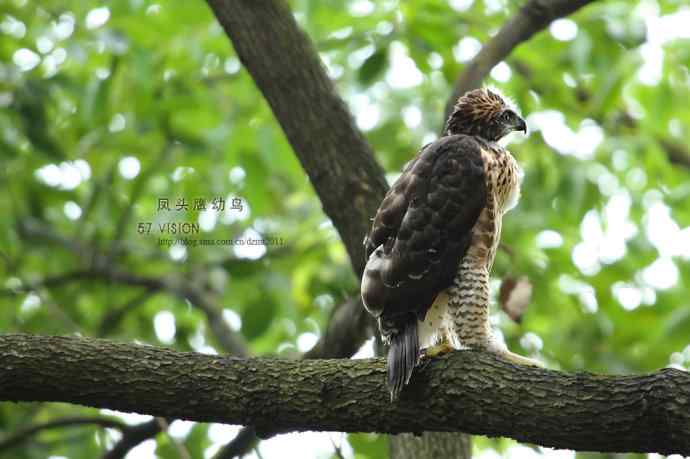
(402, 357)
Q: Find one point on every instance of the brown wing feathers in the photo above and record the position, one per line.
(423, 228)
(419, 235)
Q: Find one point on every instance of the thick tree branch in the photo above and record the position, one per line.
(466, 391)
(229, 341)
(532, 18)
(347, 329)
(286, 68)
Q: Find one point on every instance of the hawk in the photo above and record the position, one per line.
(434, 237)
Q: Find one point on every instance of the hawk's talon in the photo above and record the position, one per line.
(435, 351)
(521, 360)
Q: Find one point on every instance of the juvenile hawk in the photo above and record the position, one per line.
(433, 240)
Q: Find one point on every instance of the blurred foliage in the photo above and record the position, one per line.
(106, 109)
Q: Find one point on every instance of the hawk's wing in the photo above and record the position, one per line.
(422, 229)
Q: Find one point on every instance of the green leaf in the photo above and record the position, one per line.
(373, 66)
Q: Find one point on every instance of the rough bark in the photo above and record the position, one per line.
(286, 68)
(466, 391)
(530, 19)
(347, 329)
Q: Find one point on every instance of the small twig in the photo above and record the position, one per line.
(22, 435)
(47, 282)
(133, 436)
(137, 189)
(37, 231)
(530, 19)
(677, 153)
(231, 343)
(114, 316)
(61, 280)
(99, 185)
(245, 440)
(507, 250)
(6, 259)
(338, 451)
(181, 450)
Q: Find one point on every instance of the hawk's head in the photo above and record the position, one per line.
(484, 113)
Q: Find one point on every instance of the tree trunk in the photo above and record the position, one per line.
(285, 66)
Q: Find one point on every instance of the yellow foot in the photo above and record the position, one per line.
(520, 360)
(435, 351)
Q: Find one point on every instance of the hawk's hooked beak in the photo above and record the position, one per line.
(520, 125)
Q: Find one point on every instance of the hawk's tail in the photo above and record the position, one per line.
(402, 357)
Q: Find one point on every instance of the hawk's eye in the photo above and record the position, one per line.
(505, 116)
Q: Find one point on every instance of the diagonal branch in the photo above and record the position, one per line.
(466, 391)
(530, 19)
(286, 68)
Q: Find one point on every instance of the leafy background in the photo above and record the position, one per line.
(107, 107)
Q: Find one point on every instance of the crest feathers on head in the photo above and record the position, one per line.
(480, 112)
(508, 101)
(485, 99)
